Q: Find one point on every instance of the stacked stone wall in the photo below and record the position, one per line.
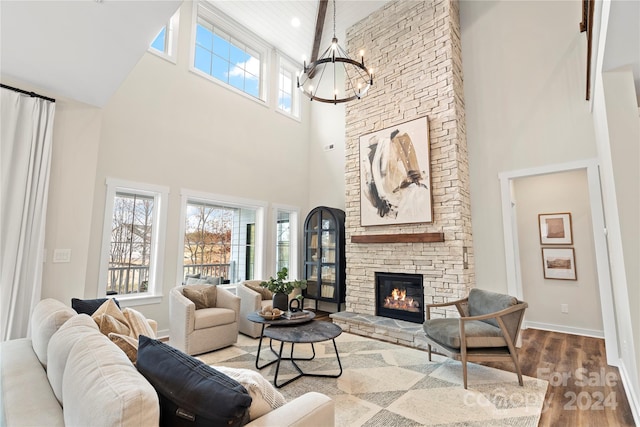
(414, 48)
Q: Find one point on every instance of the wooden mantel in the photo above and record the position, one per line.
(398, 238)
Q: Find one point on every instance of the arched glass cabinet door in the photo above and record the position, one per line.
(324, 267)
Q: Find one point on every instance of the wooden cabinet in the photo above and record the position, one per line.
(324, 259)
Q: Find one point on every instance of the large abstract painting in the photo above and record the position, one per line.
(395, 175)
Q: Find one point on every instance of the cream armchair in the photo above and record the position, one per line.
(251, 300)
(199, 331)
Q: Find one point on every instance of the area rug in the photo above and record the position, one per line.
(383, 384)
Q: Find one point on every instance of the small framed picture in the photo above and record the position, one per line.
(559, 263)
(555, 229)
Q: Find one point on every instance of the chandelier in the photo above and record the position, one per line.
(321, 79)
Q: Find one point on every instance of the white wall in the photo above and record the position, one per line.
(554, 193)
(165, 126)
(524, 96)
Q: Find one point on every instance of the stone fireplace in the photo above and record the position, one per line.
(416, 52)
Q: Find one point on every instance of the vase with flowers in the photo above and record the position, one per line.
(281, 288)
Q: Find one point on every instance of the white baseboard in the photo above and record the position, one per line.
(632, 394)
(565, 329)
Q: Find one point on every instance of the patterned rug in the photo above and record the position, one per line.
(383, 384)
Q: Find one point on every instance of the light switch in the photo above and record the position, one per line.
(62, 255)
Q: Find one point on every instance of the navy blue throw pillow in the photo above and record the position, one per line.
(89, 306)
(191, 392)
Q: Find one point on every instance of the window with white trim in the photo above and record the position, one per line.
(166, 42)
(288, 93)
(229, 55)
(286, 240)
(134, 227)
(222, 238)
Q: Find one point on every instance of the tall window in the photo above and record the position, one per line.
(130, 249)
(134, 218)
(231, 58)
(166, 42)
(283, 240)
(286, 239)
(221, 239)
(288, 93)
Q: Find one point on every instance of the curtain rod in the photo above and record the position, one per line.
(31, 94)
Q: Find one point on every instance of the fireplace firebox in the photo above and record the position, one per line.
(400, 296)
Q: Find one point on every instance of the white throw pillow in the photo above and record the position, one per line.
(265, 397)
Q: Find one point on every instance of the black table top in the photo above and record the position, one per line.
(310, 332)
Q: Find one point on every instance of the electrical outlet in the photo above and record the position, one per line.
(564, 308)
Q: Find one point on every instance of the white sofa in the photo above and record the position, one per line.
(75, 376)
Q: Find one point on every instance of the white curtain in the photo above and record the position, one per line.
(25, 158)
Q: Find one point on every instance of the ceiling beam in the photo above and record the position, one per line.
(322, 13)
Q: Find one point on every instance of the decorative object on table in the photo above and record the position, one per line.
(555, 229)
(350, 79)
(559, 263)
(281, 288)
(300, 314)
(271, 313)
(296, 304)
(395, 175)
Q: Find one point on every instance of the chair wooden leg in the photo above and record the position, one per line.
(429, 351)
(464, 370)
(514, 356)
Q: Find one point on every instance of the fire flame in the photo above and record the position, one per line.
(398, 300)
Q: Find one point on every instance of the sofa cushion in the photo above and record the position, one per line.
(75, 329)
(138, 323)
(89, 306)
(191, 390)
(101, 386)
(25, 395)
(478, 334)
(210, 317)
(264, 396)
(126, 343)
(203, 296)
(48, 315)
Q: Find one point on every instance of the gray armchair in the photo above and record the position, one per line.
(199, 331)
(487, 329)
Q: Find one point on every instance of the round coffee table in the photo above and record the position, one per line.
(310, 332)
(256, 318)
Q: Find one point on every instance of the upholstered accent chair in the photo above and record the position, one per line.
(252, 298)
(486, 331)
(199, 331)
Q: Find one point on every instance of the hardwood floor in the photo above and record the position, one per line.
(583, 389)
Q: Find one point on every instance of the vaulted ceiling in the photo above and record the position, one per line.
(84, 49)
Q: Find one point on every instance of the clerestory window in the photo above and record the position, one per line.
(228, 55)
(166, 42)
(288, 93)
